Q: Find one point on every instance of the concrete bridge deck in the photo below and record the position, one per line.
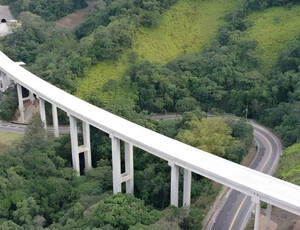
(259, 186)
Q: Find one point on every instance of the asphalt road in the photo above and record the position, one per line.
(237, 207)
(11, 127)
(20, 128)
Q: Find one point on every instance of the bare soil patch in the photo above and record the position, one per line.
(285, 220)
(72, 20)
(280, 220)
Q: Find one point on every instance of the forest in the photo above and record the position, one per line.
(228, 75)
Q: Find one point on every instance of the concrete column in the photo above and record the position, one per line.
(55, 120)
(116, 164)
(187, 182)
(42, 111)
(129, 167)
(21, 105)
(268, 216)
(74, 144)
(174, 184)
(31, 97)
(87, 144)
(256, 200)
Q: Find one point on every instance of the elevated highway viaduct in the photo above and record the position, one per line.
(257, 185)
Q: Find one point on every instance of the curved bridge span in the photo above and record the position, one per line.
(259, 186)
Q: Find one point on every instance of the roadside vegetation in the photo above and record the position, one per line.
(116, 60)
(289, 167)
(6, 139)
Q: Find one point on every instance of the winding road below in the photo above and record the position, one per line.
(236, 208)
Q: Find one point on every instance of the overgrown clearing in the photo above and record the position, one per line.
(98, 75)
(6, 139)
(289, 167)
(72, 20)
(273, 29)
(187, 27)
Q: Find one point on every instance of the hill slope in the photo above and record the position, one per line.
(273, 29)
(187, 27)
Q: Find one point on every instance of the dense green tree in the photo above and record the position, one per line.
(212, 135)
(119, 211)
(290, 57)
(10, 225)
(23, 43)
(8, 104)
(55, 10)
(110, 41)
(251, 5)
(158, 87)
(26, 211)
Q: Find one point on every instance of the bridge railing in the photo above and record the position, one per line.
(259, 186)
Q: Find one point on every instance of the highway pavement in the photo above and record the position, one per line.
(236, 209)
(20, 128)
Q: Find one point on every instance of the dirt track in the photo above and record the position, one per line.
(72, 20)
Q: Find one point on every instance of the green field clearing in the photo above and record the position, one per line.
(7, 139)
(98, 75)
(273, 29)
(187, 27)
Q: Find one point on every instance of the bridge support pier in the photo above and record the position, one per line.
(21, 103)
(43, 111)
(55, 120)
(31, 97)
(116, 164)
(74, 144)
(127, 176)
(85, 148)
(174, 183)
(256, 200)
(268, 216)
(187, 182)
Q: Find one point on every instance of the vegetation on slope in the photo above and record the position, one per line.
(224, 76)
(274, 29)
(289, 167)
(185, 28)
(101, 81)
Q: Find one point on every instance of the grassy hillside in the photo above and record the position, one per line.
(289, 167)
(187, 27)
(273, 29)
(6, 139)
(98, 75)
